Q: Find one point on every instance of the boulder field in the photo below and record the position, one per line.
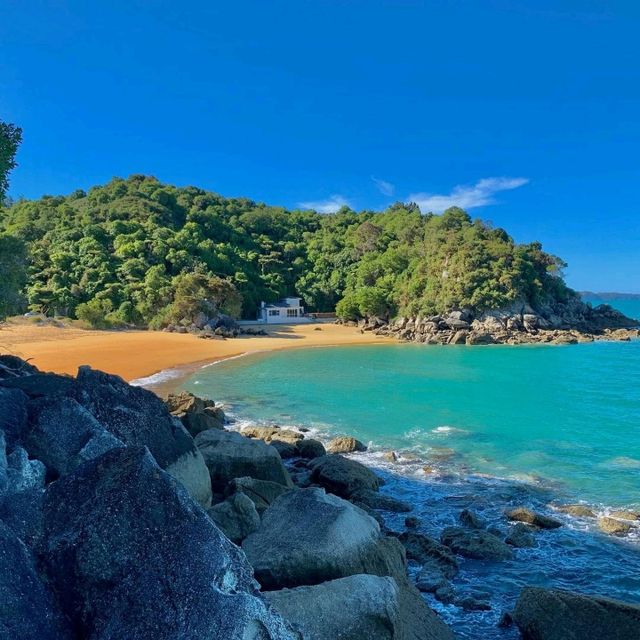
(124, 517)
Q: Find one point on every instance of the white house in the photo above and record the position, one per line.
(286, 311)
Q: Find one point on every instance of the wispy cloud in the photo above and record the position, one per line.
(386, 188)
(466, 196)
(330, 205)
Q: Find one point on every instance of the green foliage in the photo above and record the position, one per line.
(140, 252)
(13, 274)
(10, 139)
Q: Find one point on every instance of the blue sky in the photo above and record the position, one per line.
(525, 112)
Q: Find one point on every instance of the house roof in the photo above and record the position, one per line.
(283, 304)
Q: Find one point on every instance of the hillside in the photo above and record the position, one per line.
(140, 252)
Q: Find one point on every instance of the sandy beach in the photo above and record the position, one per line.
(138, 354)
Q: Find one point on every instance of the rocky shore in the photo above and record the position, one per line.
(125, 517)
(569, 323)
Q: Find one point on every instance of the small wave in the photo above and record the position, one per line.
(626, 462)
(446, 429)
(157, 378)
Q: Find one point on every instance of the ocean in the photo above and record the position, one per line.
(494, 427)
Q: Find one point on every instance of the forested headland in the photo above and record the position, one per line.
(144, 253)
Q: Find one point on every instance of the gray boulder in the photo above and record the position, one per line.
(307, 537)
(554, 614)
(130, 555)
(21, 489)
(63, 434)
(519, 535)
(357, 607)
(27, 607)
(139, 418)
(576, 510)
(429, 552)
(375, 500)
(477, 544)
(230, 455)
(13, 414)
(261, 492)
(342, 476)
(310, 448)
(236, 517)
(345, 444)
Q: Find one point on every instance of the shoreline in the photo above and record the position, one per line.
(139, 355)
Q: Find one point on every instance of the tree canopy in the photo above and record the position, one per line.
(146, 253)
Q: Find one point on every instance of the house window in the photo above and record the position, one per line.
(292, 313)
(274, 312)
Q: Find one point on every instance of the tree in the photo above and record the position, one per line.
(10, 139)
(13, 274)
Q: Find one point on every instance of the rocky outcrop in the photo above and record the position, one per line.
(230, 455)
(131, 556)
(576, 510)
(196, 414)
(477, 544)
(553, 614)
(343, 476)
(261, 492)
(430, 553)
(328, 538)
(137, 417)
(28, 609)
(520, 536)
(521, 514)
(558, 323)
(613, 526)
(236, 517)
(357, 607)
(345, 444)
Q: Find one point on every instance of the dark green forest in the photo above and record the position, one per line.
(143, 253)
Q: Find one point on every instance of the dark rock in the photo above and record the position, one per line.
(230, 455)
(310, 448)
(261, 492)
(327, 538)
(445, 594)
(531, 517)
(430, 579)
(519, 535)
(236, 517)
(63, 434)
(375, 500)
(358, 607)
(411, 522)
(554, 614)
(345, 444)
(477, 544)
(139, 418)
(12, 367)
(285, 449)
(505, 621)
(471, 520)
(13, 414)
(343, 476)
(130, 555)
(36, 385)
(468, 603)
(27, 610)
(428, 551)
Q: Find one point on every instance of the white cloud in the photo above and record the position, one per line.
(386, 188)
(466, 196)
(330, 205)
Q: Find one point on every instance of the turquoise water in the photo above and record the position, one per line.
(569, 415)
(496, 426)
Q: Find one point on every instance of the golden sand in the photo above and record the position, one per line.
(137, 354)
